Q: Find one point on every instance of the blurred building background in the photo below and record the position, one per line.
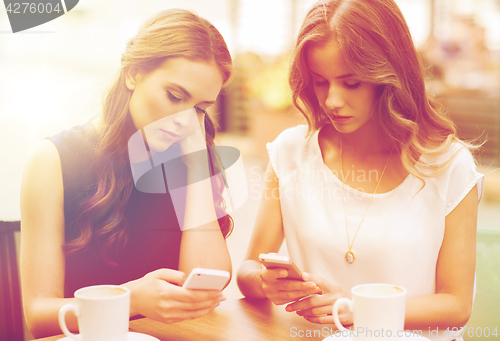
(53, 76)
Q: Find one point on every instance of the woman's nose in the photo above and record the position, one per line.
(334, 99)
(183, 118)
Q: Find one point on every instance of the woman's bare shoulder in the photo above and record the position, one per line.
(44, 150)
(42, 171)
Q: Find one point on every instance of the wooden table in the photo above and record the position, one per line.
(235, 320)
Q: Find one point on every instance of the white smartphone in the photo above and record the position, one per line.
(275, 261)
(206, 279)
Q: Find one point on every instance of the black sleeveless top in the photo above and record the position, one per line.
(153, 232)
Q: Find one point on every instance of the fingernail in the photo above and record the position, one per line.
(223, 298)
(288, 308)
(217, 305)
(283, 273)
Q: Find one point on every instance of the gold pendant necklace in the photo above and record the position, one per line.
(349, 255)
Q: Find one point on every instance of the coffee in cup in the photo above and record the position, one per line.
(378, 311)
(102, 312)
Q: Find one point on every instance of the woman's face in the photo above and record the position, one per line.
(347, 102)
(177, 85)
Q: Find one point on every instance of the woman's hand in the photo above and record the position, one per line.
(318, 308)
(281, 290)
(193, 139)
(159, 296)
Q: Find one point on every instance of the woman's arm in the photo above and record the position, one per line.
(42, 229)
(254, 280)
(451, 306)
(202, 243)
(202, 246)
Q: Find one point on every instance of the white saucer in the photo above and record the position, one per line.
(407, 336)
(131, 336)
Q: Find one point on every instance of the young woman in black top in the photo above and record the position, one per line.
(83, 220)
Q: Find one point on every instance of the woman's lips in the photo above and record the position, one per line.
(340, 118)
(170, 135)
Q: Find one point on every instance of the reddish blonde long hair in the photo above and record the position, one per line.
(376, 43)
(168, 34)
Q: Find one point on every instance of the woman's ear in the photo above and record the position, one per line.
(131, 75)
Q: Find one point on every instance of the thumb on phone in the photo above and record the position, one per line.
(273, 274)
(171, 276)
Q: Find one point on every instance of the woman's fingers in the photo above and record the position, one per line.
(193, 314)
(344, 317)
(315, 301)
(193, 296)
(185, 304)
(293, 285)
(316, 311)
(176, 315)
(169, 275)
(202, 302)
(196, 305)
(188, 299)
(283, 297)
(273, 274)
(320, 282)
(327, 319)
(280, 290)
(290, 285)
(309, 302)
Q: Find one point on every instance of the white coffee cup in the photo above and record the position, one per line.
(102, 312)
(378, 311)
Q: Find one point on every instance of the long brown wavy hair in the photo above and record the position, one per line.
(168, 34)
(376, 43)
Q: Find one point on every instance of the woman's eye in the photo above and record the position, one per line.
(173, 97)
(352, 85)
(319, 82)
(200, 110)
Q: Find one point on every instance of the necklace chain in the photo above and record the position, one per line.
(349, 256)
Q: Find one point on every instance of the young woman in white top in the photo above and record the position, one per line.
(377, 187)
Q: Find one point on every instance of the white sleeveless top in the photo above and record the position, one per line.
(401, 234)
